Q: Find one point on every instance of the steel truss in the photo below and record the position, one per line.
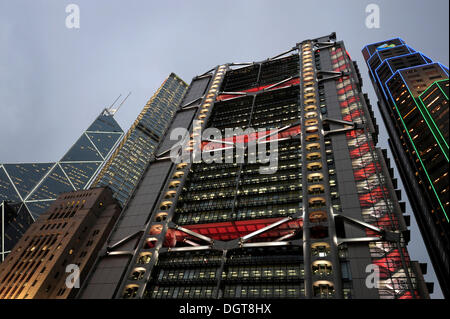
(237, 243)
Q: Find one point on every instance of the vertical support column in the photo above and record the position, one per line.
(334, 251)
(178, 173)
(3, 231)
(306, 225)
(219, 273)
(312, 130)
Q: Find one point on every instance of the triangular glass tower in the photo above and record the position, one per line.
(14, 221)
(28, 189)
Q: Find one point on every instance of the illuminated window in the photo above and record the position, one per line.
(321, 268)
(144, 258)
(312, 137)
(309, 115)
(316, 189)
(311, 122)
(314, 166)
(313, 146)
(130, 291)
(316, 202)
(178, 175)
(174, 184)
(323, 289)
(150, 243)
(161, 217)
(320, 249)
(310, 101)
(165, 205)
(312, 129)
(310, 108)
(318, 216)
(156, 229)
(313, 156)
(315, 177)
(137, 273)
(310, 95)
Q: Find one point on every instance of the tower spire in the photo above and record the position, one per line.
(113, 111)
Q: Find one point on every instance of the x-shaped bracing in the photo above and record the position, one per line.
(241, 242)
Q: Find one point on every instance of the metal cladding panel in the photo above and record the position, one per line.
(139, 209)
(196, 89)
(105, 278)
(109, 270)
(182, 120)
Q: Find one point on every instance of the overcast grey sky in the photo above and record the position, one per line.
(54, 81)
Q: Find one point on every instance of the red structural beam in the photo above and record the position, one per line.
(231, 230)
(223, 97)
(242, 139)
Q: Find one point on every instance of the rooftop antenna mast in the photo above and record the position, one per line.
(114, 102)
(113, 111)
(122, 102)
(110, 110)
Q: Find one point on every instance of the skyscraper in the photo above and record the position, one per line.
(125, 167)
(30, 188)
(64, 239)
(413, 94)
(312, 217)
